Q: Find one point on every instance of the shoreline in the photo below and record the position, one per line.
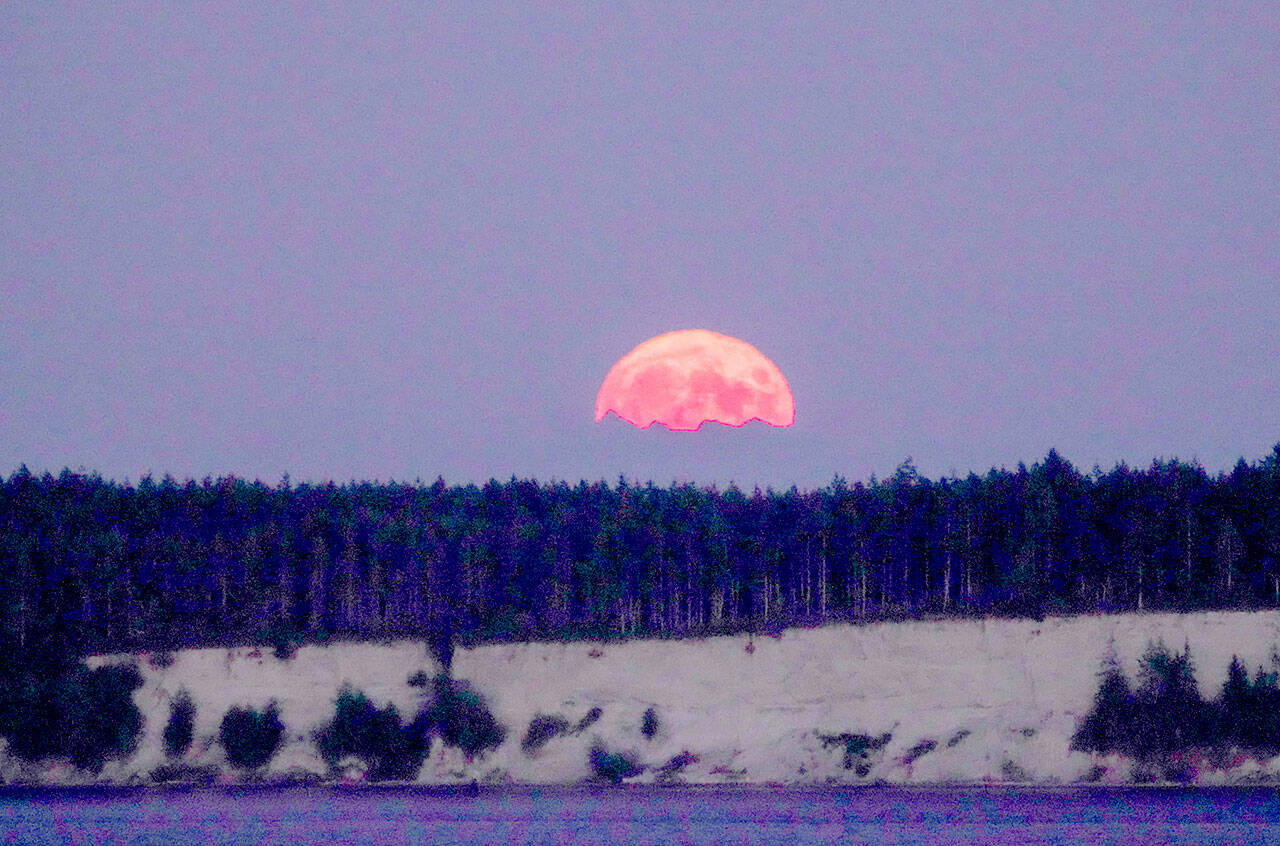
(466, 791)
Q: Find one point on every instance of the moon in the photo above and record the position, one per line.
(684, 379)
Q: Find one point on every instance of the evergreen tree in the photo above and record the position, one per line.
(1171, 713)
(251, 737)
(178, 731)
(1109, 726)
(391, 749)
(1235, 705)
(1261, 729)
(462, 718)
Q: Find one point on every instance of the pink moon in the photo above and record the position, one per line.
(686, 378)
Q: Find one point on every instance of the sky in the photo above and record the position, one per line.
(347, 242)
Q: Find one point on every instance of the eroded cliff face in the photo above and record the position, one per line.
(960, 701)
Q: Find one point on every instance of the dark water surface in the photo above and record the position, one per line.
(720, 815)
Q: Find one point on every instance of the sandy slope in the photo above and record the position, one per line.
(999, 698)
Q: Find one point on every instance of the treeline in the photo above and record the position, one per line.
(109, 566)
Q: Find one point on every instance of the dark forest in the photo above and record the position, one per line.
(104, 566)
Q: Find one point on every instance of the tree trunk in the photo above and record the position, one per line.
(1187, 549)
(968, 558)
(906, 574)
(822, 581)
(884, 580)
(283, 572)
(946, 578)
(808, 568)
(863, 568)
(348, 602)
(315, 619)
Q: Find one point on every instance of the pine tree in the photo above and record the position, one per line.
(1235, 705)
(1171, 713)
(1262, 726)
(178, 731)
(251, 737)
(1109, 726)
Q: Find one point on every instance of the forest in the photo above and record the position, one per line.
(106, 566)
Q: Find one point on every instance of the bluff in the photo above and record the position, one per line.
(956, 701)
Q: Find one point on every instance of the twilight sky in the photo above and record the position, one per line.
(345, 244)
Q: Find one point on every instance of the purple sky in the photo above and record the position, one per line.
(264, 238)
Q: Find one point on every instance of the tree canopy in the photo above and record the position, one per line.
(107, 566)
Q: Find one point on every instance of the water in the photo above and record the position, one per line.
(720, 815)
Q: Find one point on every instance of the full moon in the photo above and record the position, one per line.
(686, 378)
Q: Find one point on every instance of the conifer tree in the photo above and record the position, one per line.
(178, 731)
(1234, 705)
(1261, 728)
(1109, 726)
(1171, 713)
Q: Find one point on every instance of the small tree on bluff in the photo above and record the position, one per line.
(462, 718)
(613, 766)
(1108, 727)
(51, 705)
(649, 724)
(391, 749)
(251, 737)
(101, 720)
(1171, 713)
(541, 729)
(178, 731)
(1250, 712)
